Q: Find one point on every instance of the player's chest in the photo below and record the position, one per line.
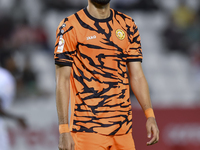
(103, 38)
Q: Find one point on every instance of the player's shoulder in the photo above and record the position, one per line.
(4, 73)
(70, 20)
(123, 17)
(5, 76)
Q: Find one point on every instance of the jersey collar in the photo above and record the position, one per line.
(98, 20)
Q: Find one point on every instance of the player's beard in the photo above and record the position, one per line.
(101, 2)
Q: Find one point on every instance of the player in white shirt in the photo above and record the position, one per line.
(7, 94)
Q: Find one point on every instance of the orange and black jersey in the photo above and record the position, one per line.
(97, 51)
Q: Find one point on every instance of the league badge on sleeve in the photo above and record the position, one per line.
(61, 45)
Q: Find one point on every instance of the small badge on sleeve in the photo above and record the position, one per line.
(61, 45)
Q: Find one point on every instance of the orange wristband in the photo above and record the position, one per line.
(149, 113)
(63, 128)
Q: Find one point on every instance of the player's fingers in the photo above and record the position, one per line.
(151, 141)
(154, 136)
(148, 131)
(156, 132)
(157, 135)
(154, 142)
(64, 148)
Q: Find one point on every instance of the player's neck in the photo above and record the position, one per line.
(99, 11)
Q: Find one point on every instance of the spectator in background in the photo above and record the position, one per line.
(18, 39)
(26, 35)
(174, 38)
(25, 79)
(183, 16)
(28, 81)
(182, 34)
(7, 61)
(182, 29)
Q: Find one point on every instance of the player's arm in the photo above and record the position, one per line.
(140, 88)
(11, 116)
(6, 114)
(62, 102)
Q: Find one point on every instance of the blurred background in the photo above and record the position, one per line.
(170, 34)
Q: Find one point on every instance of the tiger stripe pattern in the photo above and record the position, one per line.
(97, 51)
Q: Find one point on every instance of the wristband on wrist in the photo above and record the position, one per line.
(63, 128)
(149, 113)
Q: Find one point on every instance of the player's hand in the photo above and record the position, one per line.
(152, 128)
(66, 142)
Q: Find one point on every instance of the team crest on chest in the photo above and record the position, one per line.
(120, 34)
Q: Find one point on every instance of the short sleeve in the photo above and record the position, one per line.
(65, 46)
(134, 51)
